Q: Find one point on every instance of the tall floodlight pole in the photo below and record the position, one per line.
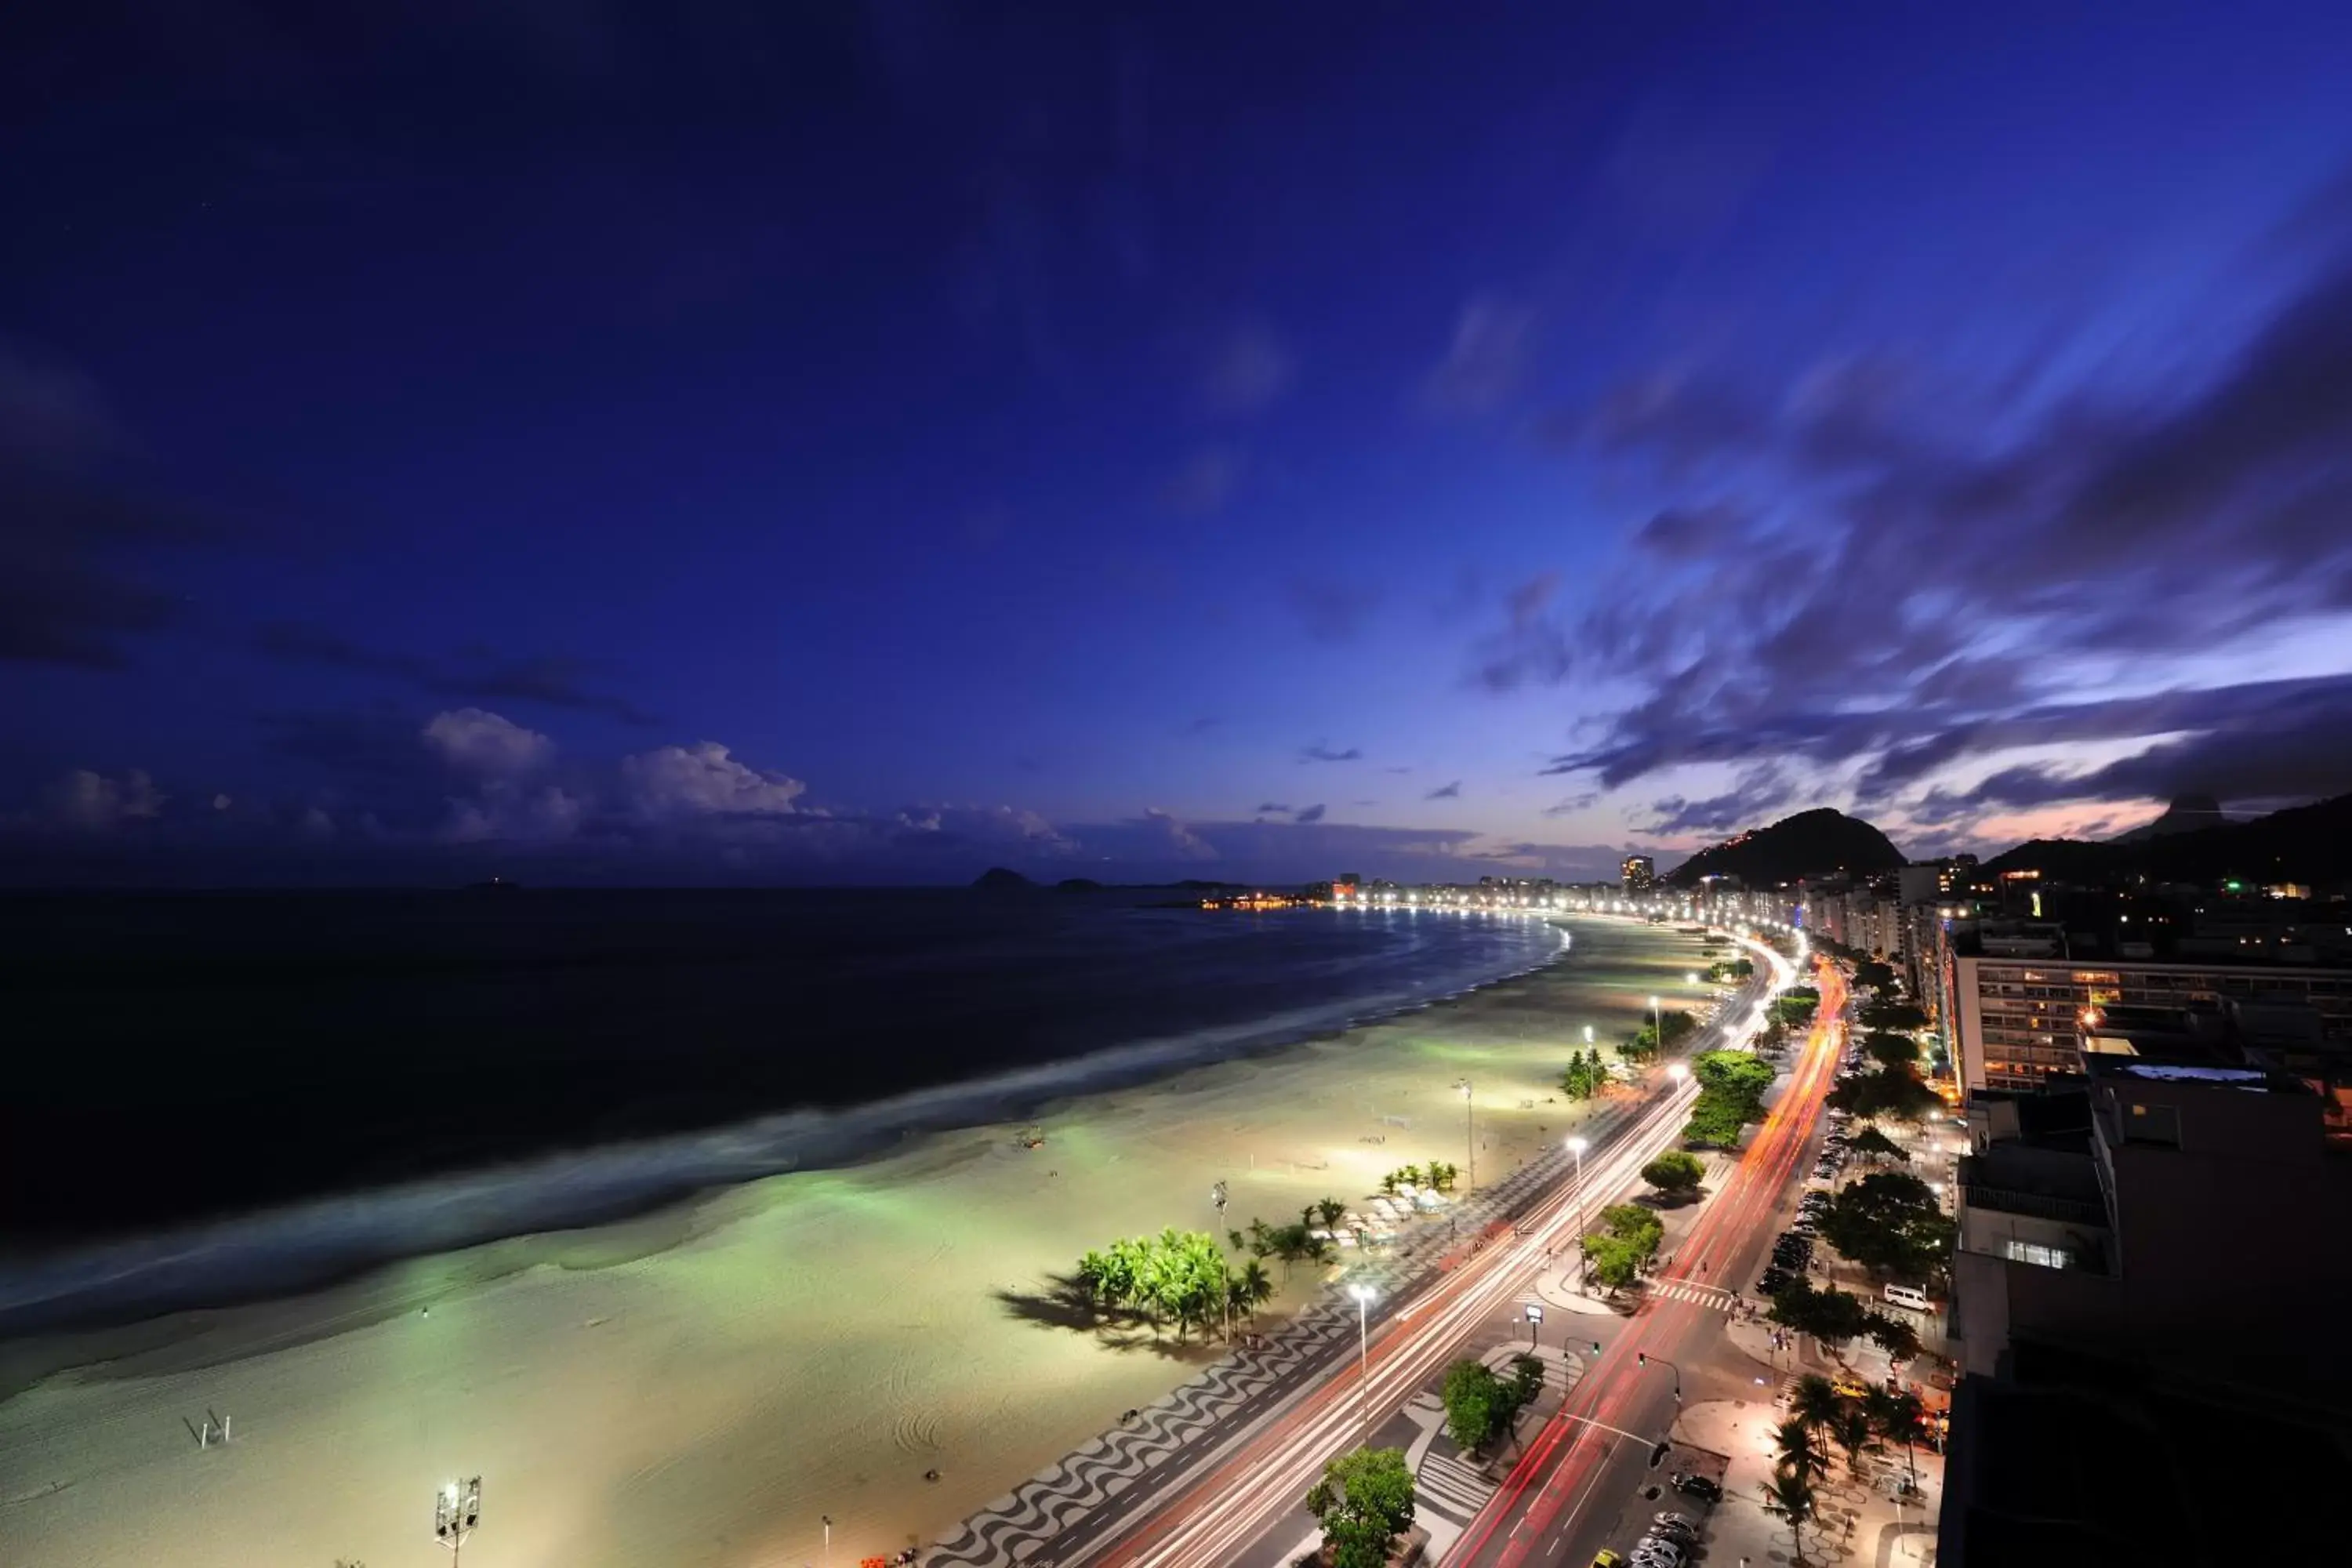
(828, 1538)
(1576, 1146)
(457, 1509)
(1657, 1025)
(1469, 1134)
(1363, 1295)
(1217, 1197)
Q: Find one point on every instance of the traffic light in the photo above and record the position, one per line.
(1658, 1455)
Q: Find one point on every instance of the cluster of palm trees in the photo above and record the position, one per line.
(1437, 1173)
(1819, 1413)
(1177, 1277)
(1295, 1242)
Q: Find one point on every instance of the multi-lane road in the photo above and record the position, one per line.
(1254, 1485)
(1576, 1487)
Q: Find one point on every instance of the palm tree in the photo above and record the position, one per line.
(1410, 1176)
(1853, 1432)
(1791, 1498)
(1389, 1184)
(1256, 1284)
(1330, 1211)
(1896, 1417)
(1794, 1453)
(1815, 1401)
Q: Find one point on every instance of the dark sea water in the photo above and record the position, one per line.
(392, 1073)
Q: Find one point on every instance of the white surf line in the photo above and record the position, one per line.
(1211, 1536)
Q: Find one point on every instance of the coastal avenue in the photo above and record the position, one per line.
(1207, 1521)
(1574, 1489)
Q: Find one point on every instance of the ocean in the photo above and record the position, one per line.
(217, 1096)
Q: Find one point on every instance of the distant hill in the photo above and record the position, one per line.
(997, 879)
(1812, 843)
(2186, 813)
(2305, 844)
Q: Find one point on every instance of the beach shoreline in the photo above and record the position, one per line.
(699, 1384)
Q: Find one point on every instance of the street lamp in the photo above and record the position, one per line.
(1677, 1072)
(1576, 1147)
(1657, 1025)
(1691, 978)
(457, 1509)
(1363, 1295)
(1469, 1137)
(1643, 1358)
(1588, 1033)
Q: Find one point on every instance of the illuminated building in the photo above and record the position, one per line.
(1638, 874)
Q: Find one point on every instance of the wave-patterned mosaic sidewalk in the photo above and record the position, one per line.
(1019, 1527)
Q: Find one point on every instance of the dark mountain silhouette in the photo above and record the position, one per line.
(1821, 842)
(2186, 813)
(997, 879)
(2304, 843)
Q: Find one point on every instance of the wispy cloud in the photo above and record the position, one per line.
(1321, 751)
(1445, 792)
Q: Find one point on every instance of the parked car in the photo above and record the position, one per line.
(1654, 1553)
(1604, 1558)
(1677, 1525)
(1697, 1486)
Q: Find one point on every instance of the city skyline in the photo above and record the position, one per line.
(560, 450)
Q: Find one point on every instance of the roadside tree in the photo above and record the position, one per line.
(1674, 1173)
(1363, 1502)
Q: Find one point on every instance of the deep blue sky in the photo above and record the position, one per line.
(820, 443)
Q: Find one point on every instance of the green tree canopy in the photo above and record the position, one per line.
(1875, 973)
(1363, 1502)
(1885, 1012)
(1889, 1092)
(1891, 1050)
(1731, 1094)
(1479, 1404)
(1876, 1145)
(1890, 1222)
(1627, 1240)
(1674, 1172)
(1835, 1316)
(1586, 1076)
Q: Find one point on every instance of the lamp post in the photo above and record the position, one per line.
(1643, 1358)
(1576, 1147)
(828, 1538)
(1677, 1072)
(1363, 1295)
(1469, 1135)
(1657, 1025)
(457, 1509)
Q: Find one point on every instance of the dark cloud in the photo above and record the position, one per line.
(1246, 369)
(1863, 576)
(1203, 483)
(1583, 801)
(1321, 751)
(1755, 794)
(1445, 792)
(1332, 612)
(1487, 360)
(1273, 808)
(81, 547)
(1308, 814)
(477, 674)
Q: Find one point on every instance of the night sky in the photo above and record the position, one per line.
(811, 444)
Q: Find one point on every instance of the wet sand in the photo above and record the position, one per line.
(698, 1386)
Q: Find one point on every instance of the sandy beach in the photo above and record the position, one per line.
(700, 1385)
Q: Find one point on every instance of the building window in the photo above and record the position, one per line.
(2040, 1257)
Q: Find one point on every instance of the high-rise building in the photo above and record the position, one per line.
(2138, 1270)
(2023, 1009)
(1638, 874)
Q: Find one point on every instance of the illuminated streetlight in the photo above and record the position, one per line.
(457, 1509)
(1363, 1295)
(1576, 1146)
(1588, 1033)
(1677, 1071)
(1469, 1139)
(1691, 978)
